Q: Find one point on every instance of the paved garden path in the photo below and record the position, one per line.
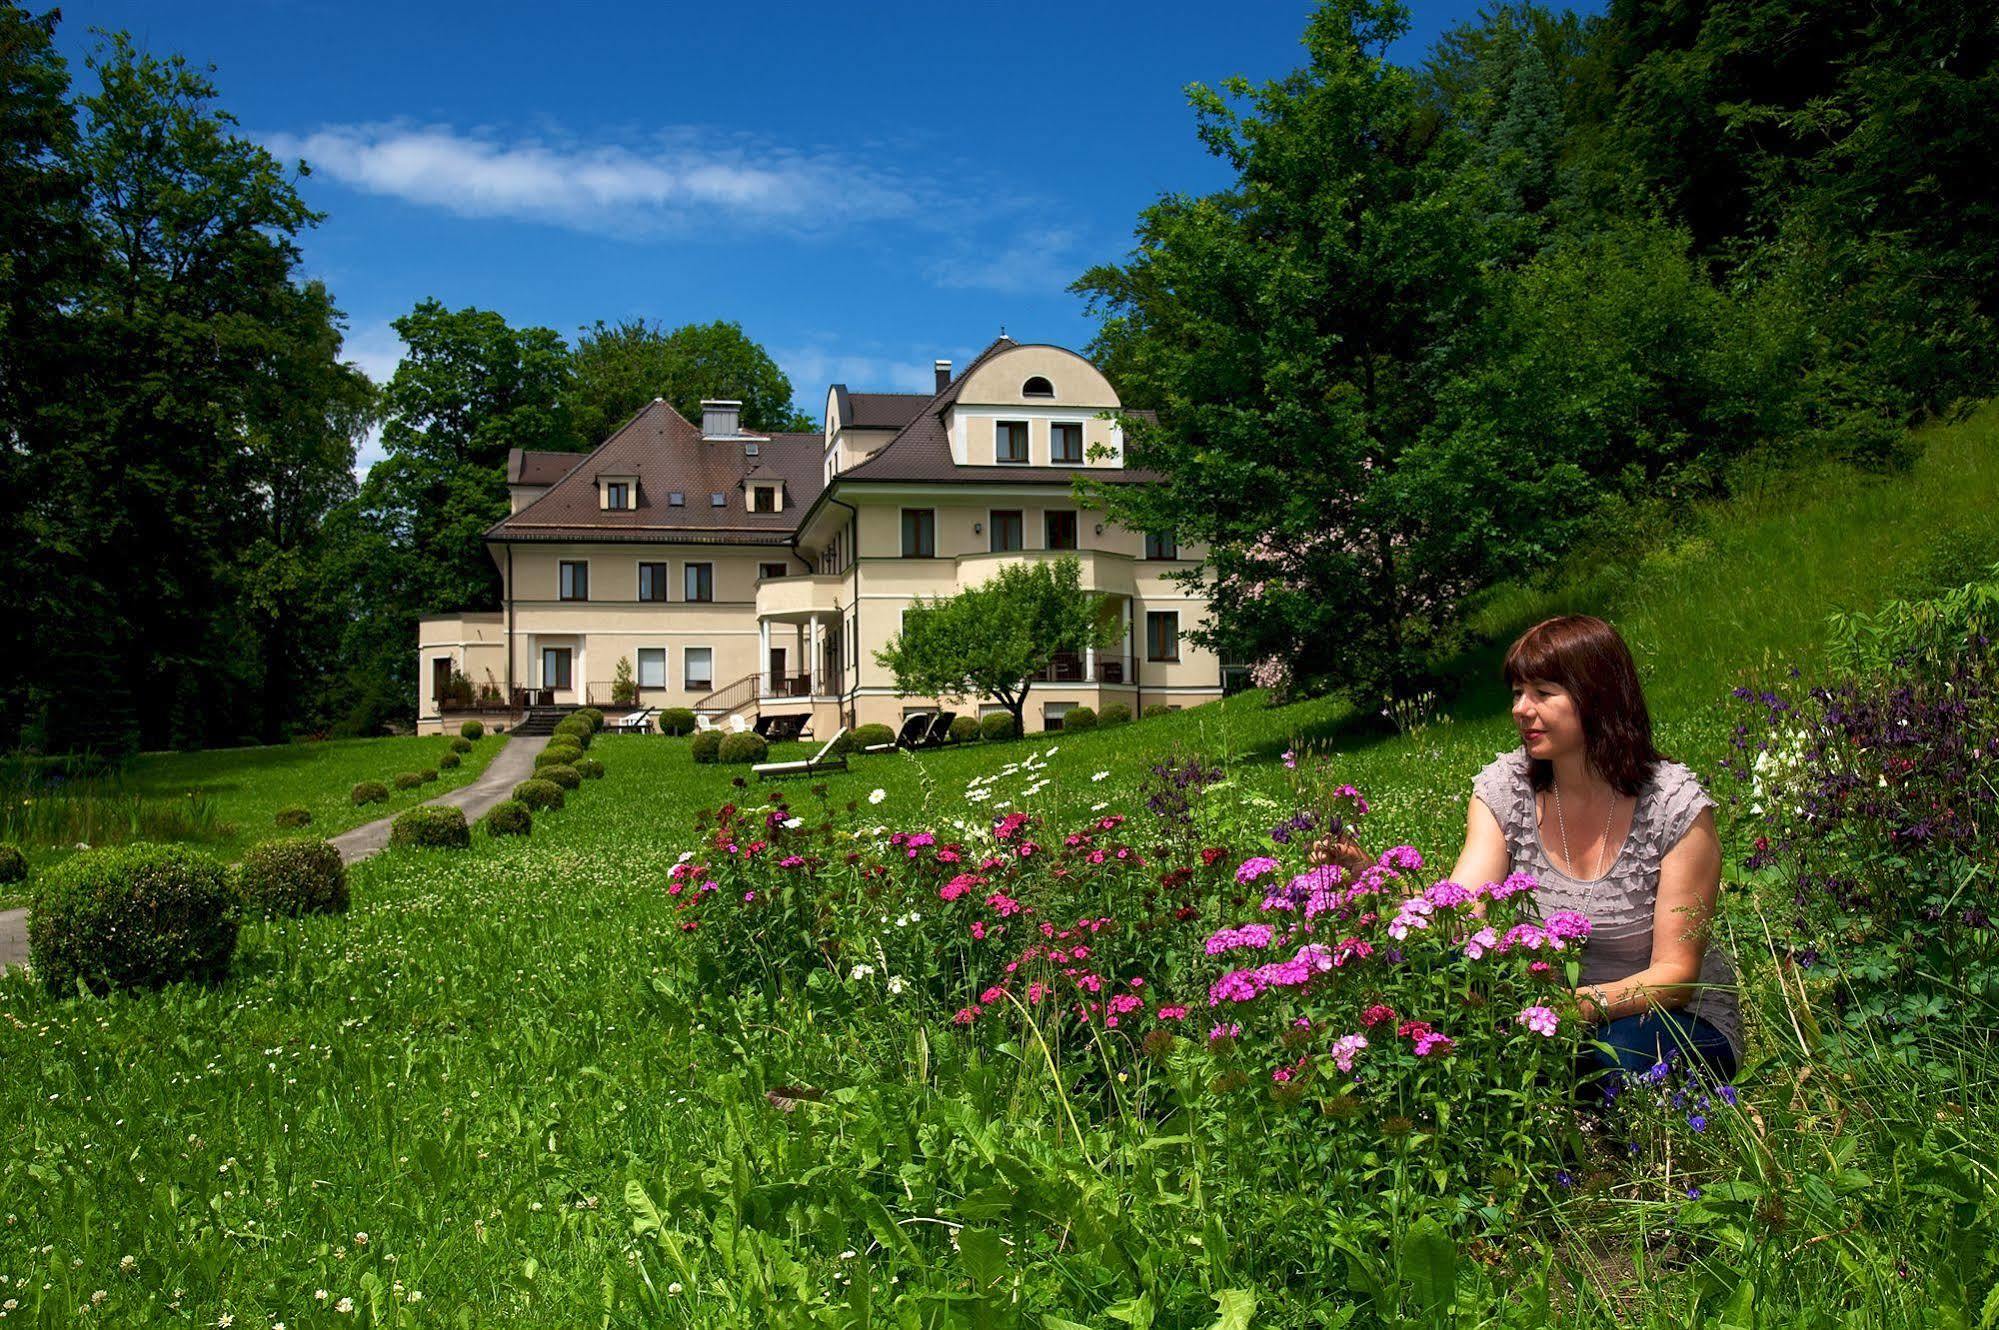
(509, 767)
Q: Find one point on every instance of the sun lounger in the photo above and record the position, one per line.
(913, 729)
(939, 732)
(820, 761)
(635, 722)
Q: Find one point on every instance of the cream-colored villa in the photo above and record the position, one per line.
(744, 574)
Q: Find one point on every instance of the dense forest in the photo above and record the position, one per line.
(1448, 323)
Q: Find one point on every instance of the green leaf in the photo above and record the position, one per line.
(1135, 1312)
(1428, 1264)
(645, 1215)
(1234, 1307)
(983, 1255)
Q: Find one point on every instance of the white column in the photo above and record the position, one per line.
(763, 656)
(812, 654)
(1090, 663)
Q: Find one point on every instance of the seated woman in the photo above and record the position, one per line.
(1640, 859)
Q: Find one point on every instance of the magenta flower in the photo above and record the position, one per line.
(1433, 1045)
(1290, 760)
(1172, 1013)
(1539, 1019)
(1567, 926)
(1344, 1049)
(1514, 884)
(1376, 1014)
(1253, 868)
(1233, 939)
(1448, 895)
(1229, 1031)
(1481, 942)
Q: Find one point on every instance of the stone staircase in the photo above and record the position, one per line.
(541, 720)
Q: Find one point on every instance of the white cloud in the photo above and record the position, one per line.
(1036, 262)
(677, 181)
(812, 368)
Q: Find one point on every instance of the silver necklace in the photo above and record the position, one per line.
(1561, 822)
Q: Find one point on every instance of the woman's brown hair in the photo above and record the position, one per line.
(1586, 657)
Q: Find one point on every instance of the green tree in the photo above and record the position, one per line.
(991, 640)
(621, 367)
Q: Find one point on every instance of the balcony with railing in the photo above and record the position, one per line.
(797, 598)
(1079, 667)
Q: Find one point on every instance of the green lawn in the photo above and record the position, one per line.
(472, 1066)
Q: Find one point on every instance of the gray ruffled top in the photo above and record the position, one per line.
(1621, 905)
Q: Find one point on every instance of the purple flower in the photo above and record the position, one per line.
(1697, 1122)
(1727, 1093)
(1448, 895)
(1290, 760)
(1255, 867)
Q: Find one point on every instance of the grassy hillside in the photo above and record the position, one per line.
(472, 1067)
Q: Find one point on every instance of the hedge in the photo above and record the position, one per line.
(407, 780)
(589, 768)
(133, 917)
(368, 792)
(746, 747)
(509, 818)
(965, 729)
(1117, 713)
(676, 721)
(561, 773)
(1079, 719)
(448, 761)
(999, 725)
(540, 795)
(300, 875)
(868, 735)
(706, 745)
(558, 755)
(1156, 709)
(472, 729)
(431, 826)
(428, 774)
(291, 818)
(461, 745)
(591, 714)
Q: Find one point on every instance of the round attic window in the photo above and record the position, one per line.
(1037, 387)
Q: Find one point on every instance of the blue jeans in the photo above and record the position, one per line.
(1638, 1042)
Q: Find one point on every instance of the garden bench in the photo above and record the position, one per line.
(636, 722)
(819, 761)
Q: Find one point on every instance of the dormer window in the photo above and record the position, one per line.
(1037, 387)
(763, 498)
(718, 500)
(677, 499)
(1010, 441)
(617, 493)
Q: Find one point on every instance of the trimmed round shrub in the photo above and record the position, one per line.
(864, 735)
(472, 729)
(368, 792)
(1156, 709)
(577, 729)
(749, 747)
(999, 725)
(593, 715)
(676, 721)
(461, 745)
(427, 775)
(13, 865)
(558, 755)
(510, 818)
(407, 780)
(133, 917)
(562, 774)
(1117, 713)
(432, 827)
(300, 875)
(706, 745)
(1079, 719)
(291, 818)
(589, 768)
(447, 762)
(538, 794)
(964, 729)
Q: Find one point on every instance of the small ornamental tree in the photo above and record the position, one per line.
(624, 688)
(991, 640)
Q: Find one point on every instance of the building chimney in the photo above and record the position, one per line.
(943, 368)
(721, 418)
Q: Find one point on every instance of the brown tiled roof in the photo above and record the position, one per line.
(922, 450)
(877, 410)
(667, 453)
(526, 466)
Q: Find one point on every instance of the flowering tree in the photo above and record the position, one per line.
(991, 640)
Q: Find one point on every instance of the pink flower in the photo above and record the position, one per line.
(1233, 939)
(1539, 1019)
(1344, 1049)
(1567, 926)
(1003, 904)
(1172, 1013)
(1481, 942)
(965, 1016)
(978, 930)
(1253, 868)
(1514, 884)
(1433, 1045)
(1376, 1014)
(1290, 760)
(1229, 1031)
(1447, 895)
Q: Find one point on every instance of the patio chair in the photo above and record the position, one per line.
(738, 724)
(781, 729)
(635, 722)
(704, 721)
(939, 732)
(819, 761)
(913, 729)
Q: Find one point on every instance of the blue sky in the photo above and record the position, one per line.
(863, 187)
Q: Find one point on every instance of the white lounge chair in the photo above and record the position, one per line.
(819, 761)
(738, 724)
(636, 722)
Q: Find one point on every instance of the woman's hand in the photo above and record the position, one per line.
(1342, 853)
